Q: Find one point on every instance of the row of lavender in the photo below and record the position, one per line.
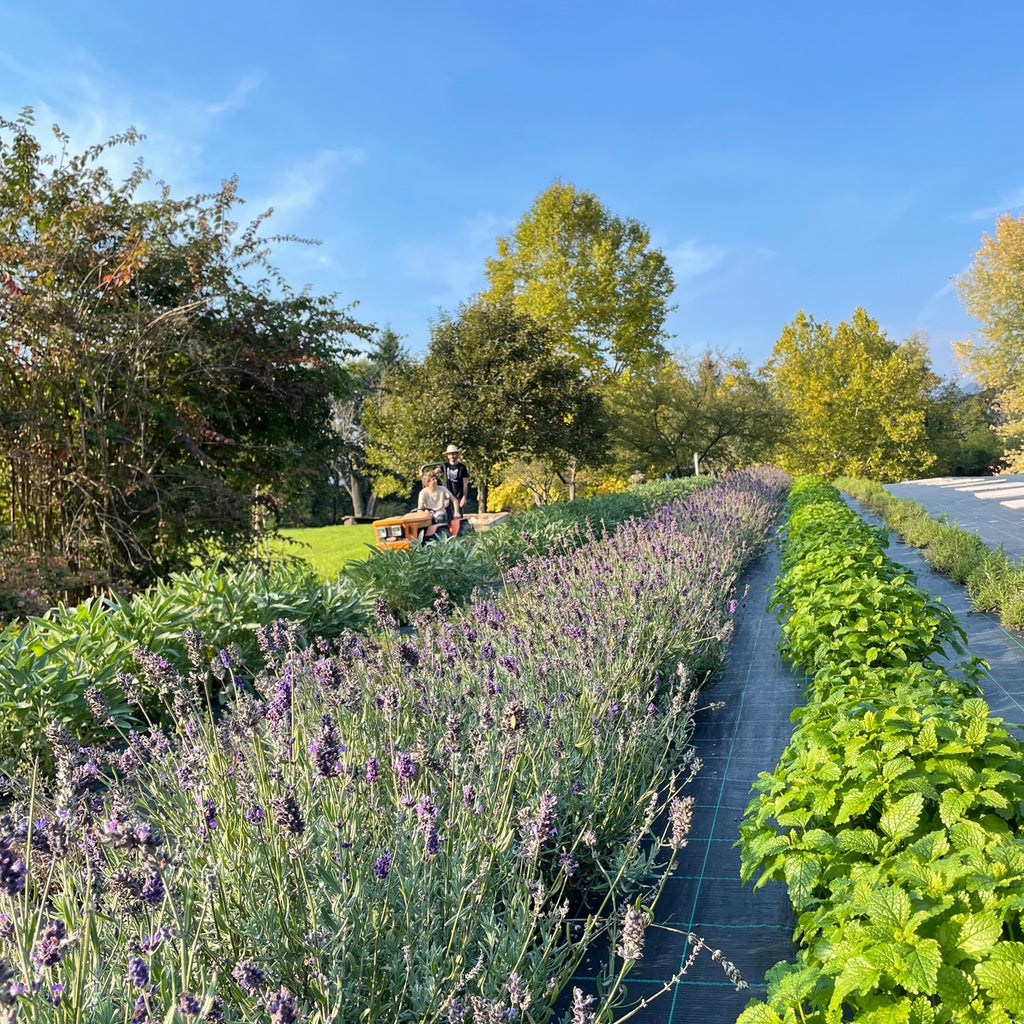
(396, 828)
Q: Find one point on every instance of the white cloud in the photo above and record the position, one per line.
(691, 259)
(453, 267)
(299, 186)
(1011, 203)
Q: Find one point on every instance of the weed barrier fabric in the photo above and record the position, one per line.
(704, 894)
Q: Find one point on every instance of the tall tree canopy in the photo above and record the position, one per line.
(713, 407)
(992, 291)
(492, 383)
(591, 278)
(155, 372)
(856, 401)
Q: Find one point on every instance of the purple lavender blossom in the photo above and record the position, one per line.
(282, 1008)
(141, 1014)
(193, 645)
(405, 766)
(328, 674)
(288, 815)
(537, 828)
(582, 1007)
(153, 890)
(372, 770)
(408, 654)
(12, 869)
(138, 972)
(279, 710)
(189, 1004)
(382, 865)
(151, 943)
(209, 813)
(326, 750)
(568, 864)
(433, 843)
(49, 950)
(157, 671)
(249, 977)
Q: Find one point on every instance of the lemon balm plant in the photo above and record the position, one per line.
(894, 814)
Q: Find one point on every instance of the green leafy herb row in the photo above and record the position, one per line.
(894, 815)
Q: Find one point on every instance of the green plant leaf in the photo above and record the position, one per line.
(922, 960)
(858, 840)
(758, 1013)
(802, 871)
(857, 976)
(954, 988)
(900, 819)
(889, 906)
(1004, 982)
(979, 933)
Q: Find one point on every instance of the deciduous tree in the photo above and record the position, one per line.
(350, 466)
(156, 375)
(856, 401)
(963, 430)
(713, 407)
(593, 279)
(492, 383)
(992, 291)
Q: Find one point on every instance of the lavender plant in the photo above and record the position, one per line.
(391, 827)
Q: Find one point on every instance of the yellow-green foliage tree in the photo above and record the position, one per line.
(856, 401)
(592, 279)
(992, 292)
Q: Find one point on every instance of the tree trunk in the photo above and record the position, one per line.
(361, 493)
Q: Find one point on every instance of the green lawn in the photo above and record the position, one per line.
(328, 548)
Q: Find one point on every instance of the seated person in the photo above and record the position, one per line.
(435, 499)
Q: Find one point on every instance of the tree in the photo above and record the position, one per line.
(592, 279)
(492, 383)
(992, 291)
(154, 392)
(350, 464)
(856, 401)
(962, 430)
(712, 407)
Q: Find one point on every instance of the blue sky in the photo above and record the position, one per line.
(791, 156)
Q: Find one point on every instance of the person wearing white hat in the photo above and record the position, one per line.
(456, 476)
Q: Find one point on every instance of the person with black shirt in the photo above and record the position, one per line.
(456, 476)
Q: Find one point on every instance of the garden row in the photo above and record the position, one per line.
(398, 826)
(993, 581)
(894, 815)
(57, 669)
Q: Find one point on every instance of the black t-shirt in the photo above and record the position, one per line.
(455, 477)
